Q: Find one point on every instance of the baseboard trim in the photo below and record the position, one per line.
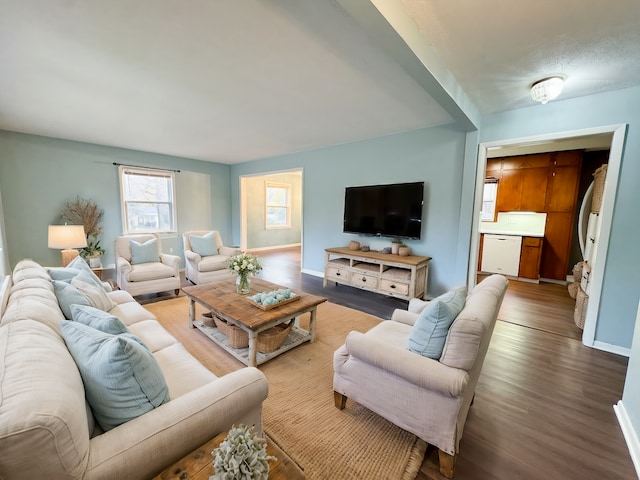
(275, 247)
(313, 272)
(608, 347)
(630, 435)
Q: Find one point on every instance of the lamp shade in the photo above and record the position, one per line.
(67, 236)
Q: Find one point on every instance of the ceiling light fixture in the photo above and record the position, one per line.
(546, 89)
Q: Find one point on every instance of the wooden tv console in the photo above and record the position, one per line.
(385, 273)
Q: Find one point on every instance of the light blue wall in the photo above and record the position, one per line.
(38, 174)
(257, 235)
(631, 395)
(434, 155)
(621, 282)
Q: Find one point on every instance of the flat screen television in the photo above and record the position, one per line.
(393, 210)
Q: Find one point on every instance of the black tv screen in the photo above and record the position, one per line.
(385, 210)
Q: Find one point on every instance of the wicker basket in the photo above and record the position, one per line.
(236, 337)
(271, 339)
(207, 319)
(581, 308)
(599, 177)
(573, 289)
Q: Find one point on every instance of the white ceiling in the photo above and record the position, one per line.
(231, 81)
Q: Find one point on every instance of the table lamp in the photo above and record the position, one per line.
(67, 238)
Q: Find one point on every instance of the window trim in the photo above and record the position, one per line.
(490, 181)
(147, 172)
(287, 207)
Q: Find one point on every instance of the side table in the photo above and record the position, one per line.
(198, 465)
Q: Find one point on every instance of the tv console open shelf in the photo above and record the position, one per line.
(385, 273)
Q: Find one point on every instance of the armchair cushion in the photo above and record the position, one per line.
(214, 262)
(150, 271)
(204, 245)
(121, 377)
(429, 333)
(146, 252)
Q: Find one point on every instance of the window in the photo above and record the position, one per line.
(278, 205)
(489, 200)
(148, 200)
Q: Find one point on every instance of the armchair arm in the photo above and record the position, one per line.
(403, 316)
(192, 256)
(229, 251)
(416, 305)
(174, 429)
(122, 265)
(170, 260)
(422, 371)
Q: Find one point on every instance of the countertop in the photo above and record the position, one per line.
(513, 232)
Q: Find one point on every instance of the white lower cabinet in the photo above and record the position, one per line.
(501, 254)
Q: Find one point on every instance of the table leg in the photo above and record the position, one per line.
(192, 312)
(253, 349)
(312, 325)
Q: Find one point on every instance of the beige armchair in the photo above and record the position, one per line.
(145, 269)
(429, 398)
(205, 258)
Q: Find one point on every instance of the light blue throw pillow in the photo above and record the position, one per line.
(204, 245)
(68, 295)
(430, 331)
(66, 274)
(122, 379)
(98, 319)
(144, 252)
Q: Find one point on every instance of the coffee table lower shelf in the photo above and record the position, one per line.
(296, 337)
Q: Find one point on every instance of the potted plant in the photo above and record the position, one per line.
(80, 211)
(92, 252)
(395, 245)
(404, 250)
(242, 455)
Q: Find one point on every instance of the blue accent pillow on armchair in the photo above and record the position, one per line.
(430, 331)
(146, 252)
(204, 245)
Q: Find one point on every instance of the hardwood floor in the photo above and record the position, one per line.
(544, 401)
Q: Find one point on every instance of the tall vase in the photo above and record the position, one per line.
(243, 284)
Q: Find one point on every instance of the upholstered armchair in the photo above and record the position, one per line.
(205, 257)
(429, 397)
(142, 268)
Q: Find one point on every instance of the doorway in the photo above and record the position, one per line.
(576, 139)
(271, 210)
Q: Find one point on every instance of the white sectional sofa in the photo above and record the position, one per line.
(47, 428)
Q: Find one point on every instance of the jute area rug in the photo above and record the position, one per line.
(299, 413)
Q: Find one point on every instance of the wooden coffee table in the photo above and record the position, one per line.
(221, 299)
(198, 465)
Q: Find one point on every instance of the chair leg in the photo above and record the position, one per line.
(340, 400)
(447, 463)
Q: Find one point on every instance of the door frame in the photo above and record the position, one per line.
(618, 132)
(244, 206)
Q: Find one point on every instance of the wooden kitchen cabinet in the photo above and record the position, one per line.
(530, 258)
(522, 183)
(557, 244)
(545, 182)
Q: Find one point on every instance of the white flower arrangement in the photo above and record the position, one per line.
(244, 263)
(241, 456)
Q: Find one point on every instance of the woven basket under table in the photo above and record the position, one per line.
(271, 339)
(236, 337)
